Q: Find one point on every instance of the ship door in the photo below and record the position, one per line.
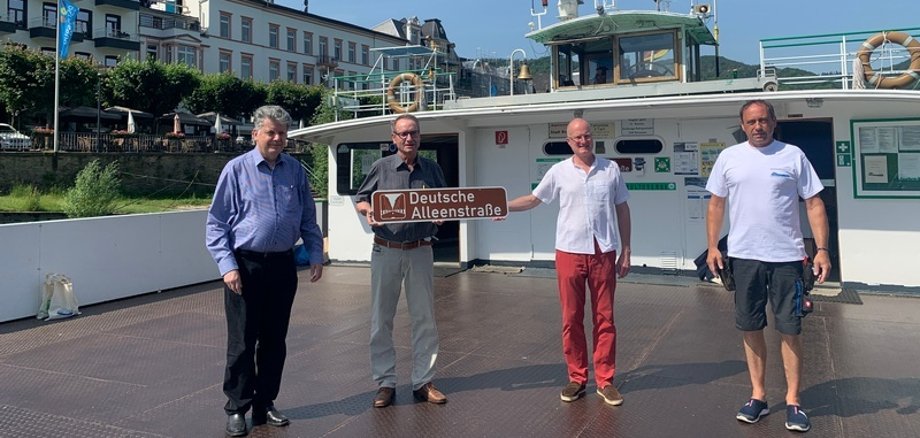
(443, 149)
(816, 139)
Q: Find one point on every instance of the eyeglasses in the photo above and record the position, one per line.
(583, 137)
(406, 134)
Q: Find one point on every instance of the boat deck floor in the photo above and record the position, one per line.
(152, 366)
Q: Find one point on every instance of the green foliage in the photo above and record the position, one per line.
(319, 176)
(25, 197)
(226, 94)
(150, 86)
(25, 79)
(325, 113)
(299, 100)
(94, 192)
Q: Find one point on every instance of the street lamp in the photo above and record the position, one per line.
(511, 67)
(98, 111)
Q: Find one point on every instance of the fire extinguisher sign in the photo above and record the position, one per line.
(501, 137)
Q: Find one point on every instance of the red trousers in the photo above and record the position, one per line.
(598, 271)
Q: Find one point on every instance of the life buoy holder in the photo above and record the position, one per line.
(394, 103)
(908, 42)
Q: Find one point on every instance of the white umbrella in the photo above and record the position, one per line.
(131, 127)
(217, 127)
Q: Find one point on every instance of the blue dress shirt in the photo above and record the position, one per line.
(261, 209)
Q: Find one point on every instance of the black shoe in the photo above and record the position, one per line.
(236, 425)
(384, 397)
(269, 416)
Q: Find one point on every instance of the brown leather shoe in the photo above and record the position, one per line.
(384, 397)
(429, 394)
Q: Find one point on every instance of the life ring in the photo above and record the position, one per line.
(391, 93)
(908, 42)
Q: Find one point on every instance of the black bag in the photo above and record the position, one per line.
(725, 274)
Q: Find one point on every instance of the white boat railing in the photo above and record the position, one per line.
(827, 60)
(367, 94)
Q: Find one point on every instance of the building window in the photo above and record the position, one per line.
(365, 55)
(112, 26)
(273, 36)
(49, 15)
(246, 66)
(16, 12)
(48, 51)
(186, 55)
(84, 23)
(352, 52)
(274, 69)
(307, 74)
(308, 43)
(84, 56)
(225, 65)
(225, 25)
(292, 72)
(151, 52)
(337, 50)
(246, 29)
(291, 40)
(395, 63)
(110, 61)
(323, 46)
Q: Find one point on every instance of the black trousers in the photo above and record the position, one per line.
(257, 324)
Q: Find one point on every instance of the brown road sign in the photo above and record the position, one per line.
(445, 204)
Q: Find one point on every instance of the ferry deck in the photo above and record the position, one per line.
(151, 366)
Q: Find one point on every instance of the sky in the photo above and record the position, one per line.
(495, 28)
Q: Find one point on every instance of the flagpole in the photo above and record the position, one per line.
(57, 73)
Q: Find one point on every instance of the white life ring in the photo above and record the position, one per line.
(391, 93)
(910, 43)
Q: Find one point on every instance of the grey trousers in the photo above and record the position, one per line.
(414, 268)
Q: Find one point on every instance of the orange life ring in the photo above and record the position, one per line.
(391, 93)
(910, 43)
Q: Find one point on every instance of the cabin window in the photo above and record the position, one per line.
(557, 148)
(649, 57)
(584, 63)
(353, 161)
(639, 146)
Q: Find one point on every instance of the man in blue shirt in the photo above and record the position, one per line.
(262, 205)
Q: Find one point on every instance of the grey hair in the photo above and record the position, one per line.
(273, 112)
(404, 116)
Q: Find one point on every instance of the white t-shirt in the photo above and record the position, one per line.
(586, 204)
(763, 186)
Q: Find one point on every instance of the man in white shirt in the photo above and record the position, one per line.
(763, 179)
(592, 196)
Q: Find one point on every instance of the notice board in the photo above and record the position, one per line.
(886, 158)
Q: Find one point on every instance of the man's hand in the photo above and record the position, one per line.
(822, 265)
(233, 281)
(316, 272)
(714, 260)
(623, 263)
(370, 218)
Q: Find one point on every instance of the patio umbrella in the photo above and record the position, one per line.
(217, 127)
(177, 126)
(131, 127)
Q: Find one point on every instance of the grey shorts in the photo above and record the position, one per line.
(756, 283)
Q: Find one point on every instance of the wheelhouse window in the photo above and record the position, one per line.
(647, 58)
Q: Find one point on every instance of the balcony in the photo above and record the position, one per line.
(42, 27)
(169, 25)
(116, 39)
(327, 61)
(8, 26)
(132, 5)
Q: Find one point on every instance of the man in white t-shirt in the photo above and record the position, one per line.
(592, 196)
(763, 180)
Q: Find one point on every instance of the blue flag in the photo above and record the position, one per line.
(67, 20)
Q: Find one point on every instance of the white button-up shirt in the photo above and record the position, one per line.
(587, 204)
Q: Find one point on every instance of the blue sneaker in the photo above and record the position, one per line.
(752, 411)
(796, 419)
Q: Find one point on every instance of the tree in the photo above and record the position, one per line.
(226, 94)
(299, 100)
(23, 79)
(150, 86)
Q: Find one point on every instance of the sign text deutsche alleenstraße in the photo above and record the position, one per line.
(444, 204)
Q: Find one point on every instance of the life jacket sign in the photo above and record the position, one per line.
(443, 204)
